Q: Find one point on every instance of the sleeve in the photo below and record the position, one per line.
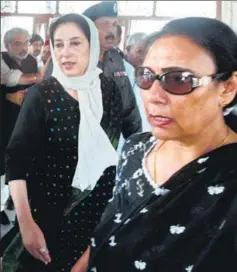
(132, 122)
(27, 138)
(9, 77)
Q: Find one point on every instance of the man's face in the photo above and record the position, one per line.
(135, 54)
(18, 47)
(107, 32)
(35, 48)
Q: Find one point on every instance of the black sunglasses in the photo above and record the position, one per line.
(174, 82)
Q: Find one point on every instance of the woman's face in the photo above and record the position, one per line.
(178, 117)
(72, 49)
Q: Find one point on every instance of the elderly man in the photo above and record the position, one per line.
(134, 52)
(16, 58)
(130, 72)
(104, 15)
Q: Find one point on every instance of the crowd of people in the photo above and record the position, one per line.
(119, 160)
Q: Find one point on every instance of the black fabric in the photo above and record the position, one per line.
(28, 66)
(2, 101)
(113, 67)
(188, 224)
(9, 111)
(102, 9)
(43, 150)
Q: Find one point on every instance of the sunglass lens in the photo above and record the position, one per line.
(176, 82)
(144, 78)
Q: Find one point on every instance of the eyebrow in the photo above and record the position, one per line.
(73, 38)
(176, 68)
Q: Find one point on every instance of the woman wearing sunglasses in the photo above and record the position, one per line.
(175, 202)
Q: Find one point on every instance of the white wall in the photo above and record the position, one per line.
(229, 13)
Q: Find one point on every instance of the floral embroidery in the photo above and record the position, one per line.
(144, 210)
(202, 171)
(189, 268)
(160, 191)
(93, 242)
(215, 190)
(140, 265)
(112, 241)
(202, 160)
(118, 218)
(137, 174)
(127, 221)
(140, 188)
(177, 229)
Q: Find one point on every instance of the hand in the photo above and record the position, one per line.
(34, 241)
(82, 264)
(39, 77)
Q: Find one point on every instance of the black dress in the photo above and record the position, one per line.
(43, 150)
(187, 225)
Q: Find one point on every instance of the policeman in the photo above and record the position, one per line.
(104, 15)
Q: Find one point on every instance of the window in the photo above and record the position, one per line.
(75, 6)
(8, 6)
(138, 8)
(146, 26)
(15, 21)
(186, 8)
(37, 7)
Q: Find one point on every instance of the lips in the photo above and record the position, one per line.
(159, 120)
(68, 65)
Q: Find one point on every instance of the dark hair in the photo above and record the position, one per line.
(70, 18)
(119, 30)
(213, 35)
(36, 38)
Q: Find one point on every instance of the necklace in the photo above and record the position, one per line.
(159, 146)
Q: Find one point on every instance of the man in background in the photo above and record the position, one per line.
(134, 51)
(35, 48)
(104, 15)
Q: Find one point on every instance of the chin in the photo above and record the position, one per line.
(163, 135)
(71, 73)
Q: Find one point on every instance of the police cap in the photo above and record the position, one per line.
(102, 9)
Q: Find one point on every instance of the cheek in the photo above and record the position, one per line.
(195, 112)
(145, 98)
(57, 55)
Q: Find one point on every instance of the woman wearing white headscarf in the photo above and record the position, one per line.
(61, 158)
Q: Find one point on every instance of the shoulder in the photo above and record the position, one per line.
(115, 54)
(44, 89)
(31, 59)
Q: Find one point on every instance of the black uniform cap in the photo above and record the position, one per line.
(103, 9)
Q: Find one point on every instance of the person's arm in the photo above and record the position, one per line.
(10, 77)
(25, 144)
(82, 264)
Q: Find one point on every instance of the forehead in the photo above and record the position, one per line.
(139, 45)
(68, 31)
(37, 43)
(19, 37)
(178, 51)
(109, 20)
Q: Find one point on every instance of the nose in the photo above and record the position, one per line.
(156, 94)
(66, 50)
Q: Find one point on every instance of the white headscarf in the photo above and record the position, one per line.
(95, 152)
